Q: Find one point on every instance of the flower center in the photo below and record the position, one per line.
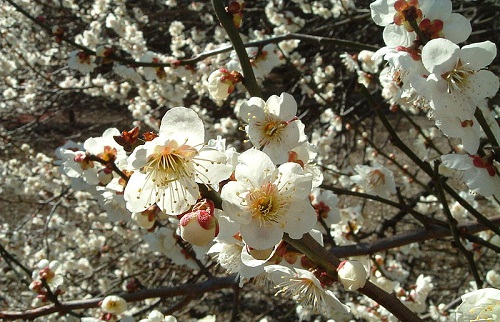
(457, 78)
(376, 178)
(170, 163)
(266, 204)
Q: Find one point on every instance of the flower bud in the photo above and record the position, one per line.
(113, 304)
(352, 274)
(221, 83)
(199, 227)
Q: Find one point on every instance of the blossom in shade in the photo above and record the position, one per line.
(479, 305)
(479, 173)
(267, 201)
(168, 168)
(81, 61)
(377, 180)
(273, 126)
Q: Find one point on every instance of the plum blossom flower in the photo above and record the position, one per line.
(114, 304)
(468, 131)
(325, 205)
(457, 82)
(479, 173)
(51, 272)
(479, 305)
(221, 83)
(81, 61)
(168, 168)
(376, 180)
(306, 289)
(434, 18)
(273, 126)
(268, 201)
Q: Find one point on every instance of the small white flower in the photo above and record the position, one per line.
(114, 304)
(376, 180)
(273, 126)
(81, 61)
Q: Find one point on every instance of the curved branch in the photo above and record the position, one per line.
(193, 60)
(64, 307)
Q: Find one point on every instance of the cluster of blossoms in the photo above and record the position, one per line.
(187, 196)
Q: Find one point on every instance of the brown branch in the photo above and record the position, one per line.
(318, 254)
(193, 60)
(414, 236)
(65, 307)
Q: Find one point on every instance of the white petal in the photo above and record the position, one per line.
(301, 220)
(395, 36)
(211, 167)
(254, 167)
(436, 9)
(232, 202)
(293, 181)
(440, 55)
(457, 28)
(183, 125)
(483, 84)
(261, 237)
(383, 11)
(478, 55)
(137, 202)
(284, 106)
(457, 161)
(251, 109)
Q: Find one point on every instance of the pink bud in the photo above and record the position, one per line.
(199, 227)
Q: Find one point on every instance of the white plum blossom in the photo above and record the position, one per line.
(479, 173)
(434, 18)
(325, 204)
(376, 180)
(81, 61)
(114, 304)
(268, 201)
(457, 82)
(273, 126)
(51, 272)
(468, 131)
(221, 83)
(302, 286)
(168, 168)
(479, 305)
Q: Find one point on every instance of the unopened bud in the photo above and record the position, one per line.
(199, 227)
(221, 83)
(352, 274)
